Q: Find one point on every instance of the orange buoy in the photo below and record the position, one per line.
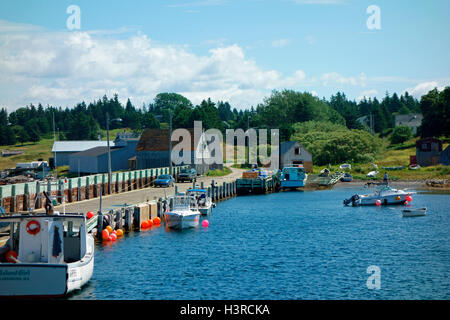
(113, 237)
(119, 232)
(109, 229)
(156, 221)
(144, 225)
(150, 223)
(11, 256)
(105, 234)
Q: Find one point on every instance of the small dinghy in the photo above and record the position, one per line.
(414, 212)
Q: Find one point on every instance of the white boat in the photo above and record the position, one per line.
(385, 195)
(414, 212)
(200, 197)
(372, 174)
(45, 255)
(183, 213)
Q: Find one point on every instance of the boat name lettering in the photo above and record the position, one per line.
(15, 275)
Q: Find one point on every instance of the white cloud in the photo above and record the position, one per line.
(336, 79)
(280, 43)
(424, 87)
(64, 68)
(367, 94)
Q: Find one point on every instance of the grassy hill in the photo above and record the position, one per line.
(35, 151)
(395, 156)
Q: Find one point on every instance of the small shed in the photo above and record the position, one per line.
(445, 157)
(428, 151)
(293, 153)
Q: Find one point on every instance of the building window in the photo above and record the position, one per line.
(297, 151)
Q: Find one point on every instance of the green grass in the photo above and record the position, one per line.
(394, 156)
(32, 152)
(219, 173)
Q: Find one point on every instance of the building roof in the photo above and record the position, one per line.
(158, 140)
(93, 152)
(414, 119)
(77, 146)
(287, 145)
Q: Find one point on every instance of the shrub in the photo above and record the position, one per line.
(334, 144)
(401, 134)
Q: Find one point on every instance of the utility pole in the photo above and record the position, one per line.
(54, 140)
(109, 153)
(170, 141)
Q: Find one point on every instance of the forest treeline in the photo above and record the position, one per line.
(282, 109)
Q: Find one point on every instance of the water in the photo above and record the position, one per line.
(289, 245)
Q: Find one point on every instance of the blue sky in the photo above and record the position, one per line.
(238, 51)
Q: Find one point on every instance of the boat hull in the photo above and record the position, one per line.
(414, 213)
(80, 272)
(205, 211)
(177, 221)
(44, 279)
(371, 200)
(292, 184)
(33, 279)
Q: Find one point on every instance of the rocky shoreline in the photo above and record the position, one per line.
(429, 183)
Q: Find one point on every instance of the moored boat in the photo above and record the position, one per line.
(293, 177)
(414, 212)
(45, 255)
(385, 195)
(183, 214)
(200, 197)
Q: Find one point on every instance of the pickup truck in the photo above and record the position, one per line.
(187, 175)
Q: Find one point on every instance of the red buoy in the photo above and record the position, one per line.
(105, 234)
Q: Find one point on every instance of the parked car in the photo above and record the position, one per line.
(187, 175)
(164, 180)
(347, 178)
(346, 166)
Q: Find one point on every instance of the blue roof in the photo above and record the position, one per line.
(196, 190)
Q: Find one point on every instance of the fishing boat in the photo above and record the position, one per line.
(46, 255)
(385, 195)
(200, 197)
(293, 177)
(414, 212)
(184, 213)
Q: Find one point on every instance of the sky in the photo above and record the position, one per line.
(228, 50)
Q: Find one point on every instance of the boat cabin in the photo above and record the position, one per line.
(52, 239)
(293, 177)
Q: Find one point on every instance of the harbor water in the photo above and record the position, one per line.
(287, 245)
